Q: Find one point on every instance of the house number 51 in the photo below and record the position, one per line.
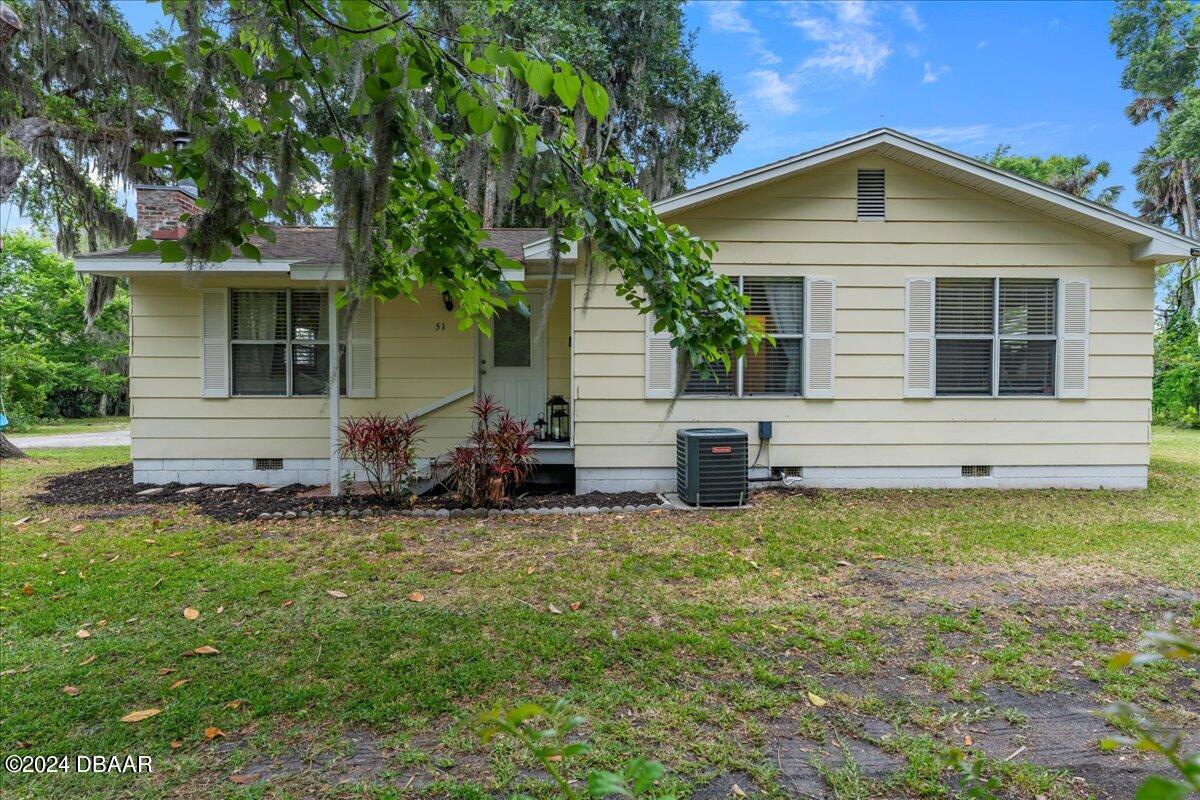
(439, 326)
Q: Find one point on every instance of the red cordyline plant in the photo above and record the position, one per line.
(385, 447)
(496, 458)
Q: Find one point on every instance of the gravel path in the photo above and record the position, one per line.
(97, 439)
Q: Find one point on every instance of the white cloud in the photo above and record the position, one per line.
(774, 91)
(727, 17)
(987, 134)
(908, 13)
(931, 74)
(982, 44)
(850, 39)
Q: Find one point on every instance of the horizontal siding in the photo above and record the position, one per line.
(416, 365)
(806, 225)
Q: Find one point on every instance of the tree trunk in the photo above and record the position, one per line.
(489, 197)
(1189, 194)
(8, 449)
(24, 133)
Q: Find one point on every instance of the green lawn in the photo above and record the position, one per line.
(81, 425)
(923, 617)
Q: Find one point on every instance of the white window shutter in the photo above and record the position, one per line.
(660, 361)
(918, 337)
(820, 326)
(1074, 312)
(361, 370)
(214, 343)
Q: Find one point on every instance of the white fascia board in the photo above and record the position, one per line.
(516, 275)
(1160, 251)
(539, 250)
(148, 266)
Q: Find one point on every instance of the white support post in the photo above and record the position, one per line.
(335, 461)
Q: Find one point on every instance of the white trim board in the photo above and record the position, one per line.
(1147, 242)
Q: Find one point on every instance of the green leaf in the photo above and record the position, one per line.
(566, 86)
(465, 102)
(250, 251)
(481, 119)
(540, 77)
(144, 246)
(252, 125)
(643, 773)
(596, 100)
(606, 784)
(331, 144)
(171, 251)
(243, 61)
(502, 136)
(155, 159)
(220, 252)
(1157, 787)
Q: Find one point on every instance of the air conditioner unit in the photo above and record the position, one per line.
(711, 466)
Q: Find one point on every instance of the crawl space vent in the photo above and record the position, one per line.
(977, 472)
(268, 463)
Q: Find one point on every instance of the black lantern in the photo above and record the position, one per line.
(539, 428)
(556, 410)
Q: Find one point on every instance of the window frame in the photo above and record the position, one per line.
(739, 366)
(288, 343)
(996, 337)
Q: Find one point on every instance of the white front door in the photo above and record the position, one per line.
(512, 365)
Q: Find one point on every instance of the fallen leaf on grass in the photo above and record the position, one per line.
(212, 733)
(175, 745)
(178, 683)
(82, 634)
(220, 609)
(138, 716)
(150, 541)
(417, 597)
(576, 605)
(166, 671)
(191, 613)
(336, 594)
(968, 741)
(156, 583)
(27, 590)
(77, 528)
(287, 603)
(775, 573)
(242, 780)
(458, 570)
(43, 520)
(737, 791)
(817, 700)
(71, 690)
(844, 563)
(176, 554)
(556, 757)
(234, 704)
(88, 660)
(554, 609)
(20, 522)
(206, 650)
(529, 571)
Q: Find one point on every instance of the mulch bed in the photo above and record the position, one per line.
(114, 485)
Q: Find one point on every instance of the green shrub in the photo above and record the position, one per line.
(1176, 398)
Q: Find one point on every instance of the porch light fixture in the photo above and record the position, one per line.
(556, 410)
(447, 301)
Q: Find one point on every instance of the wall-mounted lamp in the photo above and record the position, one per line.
(447, 301)
(1195, 252)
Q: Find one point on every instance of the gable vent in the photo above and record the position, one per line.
(870, 194)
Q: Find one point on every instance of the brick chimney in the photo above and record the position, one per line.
(158, 209)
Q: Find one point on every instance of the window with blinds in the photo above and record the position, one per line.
(995, 336)
(280, 342)
(776, 369)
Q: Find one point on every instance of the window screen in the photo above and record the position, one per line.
(280, 342)
(776, 369)
(995, 336)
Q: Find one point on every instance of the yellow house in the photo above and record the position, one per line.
(938, 322)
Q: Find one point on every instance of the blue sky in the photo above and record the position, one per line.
(1039, 76)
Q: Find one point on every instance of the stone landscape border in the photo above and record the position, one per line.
(470, 513)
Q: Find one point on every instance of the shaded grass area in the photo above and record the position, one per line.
(80, 425)
(919, 615)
